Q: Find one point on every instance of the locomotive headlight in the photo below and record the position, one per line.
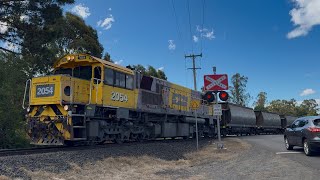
(28, 109)
(66, 107)
(68, 58)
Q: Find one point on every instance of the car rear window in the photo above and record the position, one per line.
(316, 122)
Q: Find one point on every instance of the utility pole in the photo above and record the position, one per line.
(194, 69)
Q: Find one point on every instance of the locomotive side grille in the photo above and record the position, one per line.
(151, 98)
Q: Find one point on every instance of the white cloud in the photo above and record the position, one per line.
(24, 18)
(304, 16)
(299, 102)
(118, 62)
(81, 10)
(171, 45)
(195, 38)
(106, 23)
(11, 47)
(205, 33)
(208, 35)
(3, 27)
(161, 68)
(201, 30)
(307, 92)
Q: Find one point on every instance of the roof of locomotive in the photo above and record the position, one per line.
(86, 59)
(70, 60)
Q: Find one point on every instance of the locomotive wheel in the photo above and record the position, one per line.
(119, 139)
(101, 142)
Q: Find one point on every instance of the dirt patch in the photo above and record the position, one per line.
(210, 153)
(148, 167)
(4, 178)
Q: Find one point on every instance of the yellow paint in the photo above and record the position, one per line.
(195, 104)
(49, 113)
(109, 91)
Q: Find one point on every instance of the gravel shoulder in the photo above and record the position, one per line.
(159, 160)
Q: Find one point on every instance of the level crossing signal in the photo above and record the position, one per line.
(224, 96)
(209, 96)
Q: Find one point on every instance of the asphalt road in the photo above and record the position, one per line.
(274, 144)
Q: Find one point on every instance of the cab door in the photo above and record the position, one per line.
(96, 85)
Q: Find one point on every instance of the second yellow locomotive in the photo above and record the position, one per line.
(90, 100)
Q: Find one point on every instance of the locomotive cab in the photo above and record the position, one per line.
(57, 103)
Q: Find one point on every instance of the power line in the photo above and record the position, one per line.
(177, 25)
(201, 45)
(190, 24)
(180, 37)
(203, 11)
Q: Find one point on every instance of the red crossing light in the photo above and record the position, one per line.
(223, 96)
(209, 97)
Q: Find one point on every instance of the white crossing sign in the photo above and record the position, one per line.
(216, 82)
(217, 110)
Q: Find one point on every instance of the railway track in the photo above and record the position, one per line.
(27, 151)
(50, 149)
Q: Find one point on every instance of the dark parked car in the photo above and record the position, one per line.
(304, 132)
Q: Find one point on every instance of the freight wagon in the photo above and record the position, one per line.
(239, 120)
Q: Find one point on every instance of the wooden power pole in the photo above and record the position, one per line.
(194, 69)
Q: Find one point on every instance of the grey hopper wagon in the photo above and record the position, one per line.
(268, 122)
(238, 119)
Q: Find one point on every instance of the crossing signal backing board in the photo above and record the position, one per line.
(216, 82)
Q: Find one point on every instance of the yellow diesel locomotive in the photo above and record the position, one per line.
(90, 100)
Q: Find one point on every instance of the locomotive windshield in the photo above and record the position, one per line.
(67, 71)
(82, 72)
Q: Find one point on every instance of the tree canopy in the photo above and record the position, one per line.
(23, 20)
(261, 101)
(72, 35)
(239, 94)
(12, 82)
(150, 71)
(308, 107)
(40, 32)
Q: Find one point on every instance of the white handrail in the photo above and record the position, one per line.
(90, 92)
(25, 93)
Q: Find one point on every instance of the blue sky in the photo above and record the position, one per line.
(275, 43)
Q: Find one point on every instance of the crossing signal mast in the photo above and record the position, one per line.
(213, 85)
